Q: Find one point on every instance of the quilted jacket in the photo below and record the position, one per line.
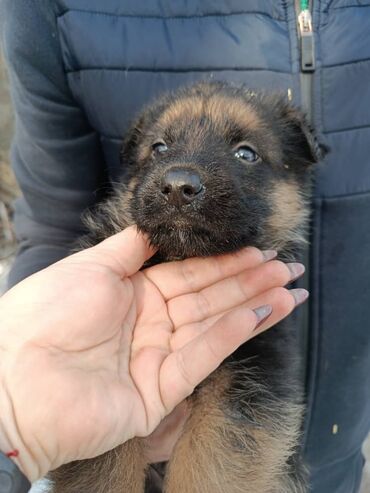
(81, 69)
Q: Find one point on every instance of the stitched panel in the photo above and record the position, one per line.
(342, 4)
(345, 38)
(340, 412)
(346, 96)
(346, 169)
(169, 8)
(123, 94)
(91, 40)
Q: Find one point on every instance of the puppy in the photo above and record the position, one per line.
(208, 170)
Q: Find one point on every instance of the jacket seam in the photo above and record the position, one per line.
(158, 17)
(352, 6)
(314, 346)
(345, 196)
(354, 62)
(290, 34)
(342, 459)
(317, 80)
(110, 137)
(30, 190)
(349, 129)
(179, 70)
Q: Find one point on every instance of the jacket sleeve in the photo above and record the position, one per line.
(56, 155)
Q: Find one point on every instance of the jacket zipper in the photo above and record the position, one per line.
(307, 52)
(306, 39)
(307, 65)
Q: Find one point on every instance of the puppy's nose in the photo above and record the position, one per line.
(181, 186)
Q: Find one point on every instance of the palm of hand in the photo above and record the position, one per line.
(114, 350)
(119, 365)
(112, 361)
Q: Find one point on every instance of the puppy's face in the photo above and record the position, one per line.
(215, 168)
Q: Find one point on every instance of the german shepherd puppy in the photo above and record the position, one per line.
(208, 170)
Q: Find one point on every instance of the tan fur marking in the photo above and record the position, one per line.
(218, 455)
(219, 109)
(192, 107)
(144, 152)
(121, 470)
(289, 214)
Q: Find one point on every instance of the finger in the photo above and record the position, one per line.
(231, 292)
(282, 300)
(186, 276)
(124, 253)
(184, 369)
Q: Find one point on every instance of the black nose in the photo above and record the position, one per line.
(181, 186)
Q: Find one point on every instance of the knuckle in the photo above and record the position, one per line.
(278, 293)
(254, 252)
(250, 256)
(188, 272)
(283, 299)
(242, 284)
(219, 265)
(279, 270)
(181, 366)
(204, 306)
(211, 350)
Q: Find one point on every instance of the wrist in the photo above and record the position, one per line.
(11, 443)
(16, 402)
(28, 457)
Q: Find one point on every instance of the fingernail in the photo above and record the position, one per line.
(269, 255)
(299, 295)
(262, 313)
(296, 270)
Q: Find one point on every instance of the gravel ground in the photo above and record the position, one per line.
(365, 487)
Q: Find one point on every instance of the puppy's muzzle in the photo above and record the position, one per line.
(181, 186)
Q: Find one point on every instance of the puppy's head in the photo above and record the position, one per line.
(211, 169)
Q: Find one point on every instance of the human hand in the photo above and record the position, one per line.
(94, 352)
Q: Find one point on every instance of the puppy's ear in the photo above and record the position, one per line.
(129, 147)
(300, 138)
(140, 131)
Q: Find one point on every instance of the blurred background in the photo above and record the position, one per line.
(9, 191)
(8, 188)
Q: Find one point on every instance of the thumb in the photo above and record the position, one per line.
(124, 253)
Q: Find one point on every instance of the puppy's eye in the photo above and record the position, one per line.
(159, 147)
(247, 154)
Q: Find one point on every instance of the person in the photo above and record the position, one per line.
(80, 70)
(94, 352)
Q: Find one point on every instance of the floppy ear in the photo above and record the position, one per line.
(300, 138)
(129, 147)
(139, 131)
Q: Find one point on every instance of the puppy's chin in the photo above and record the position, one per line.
(175, 242)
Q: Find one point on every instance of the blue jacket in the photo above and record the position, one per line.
(81, 69)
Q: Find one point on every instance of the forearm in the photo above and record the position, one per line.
(56, 155)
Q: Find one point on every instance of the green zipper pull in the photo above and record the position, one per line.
(307, 38)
